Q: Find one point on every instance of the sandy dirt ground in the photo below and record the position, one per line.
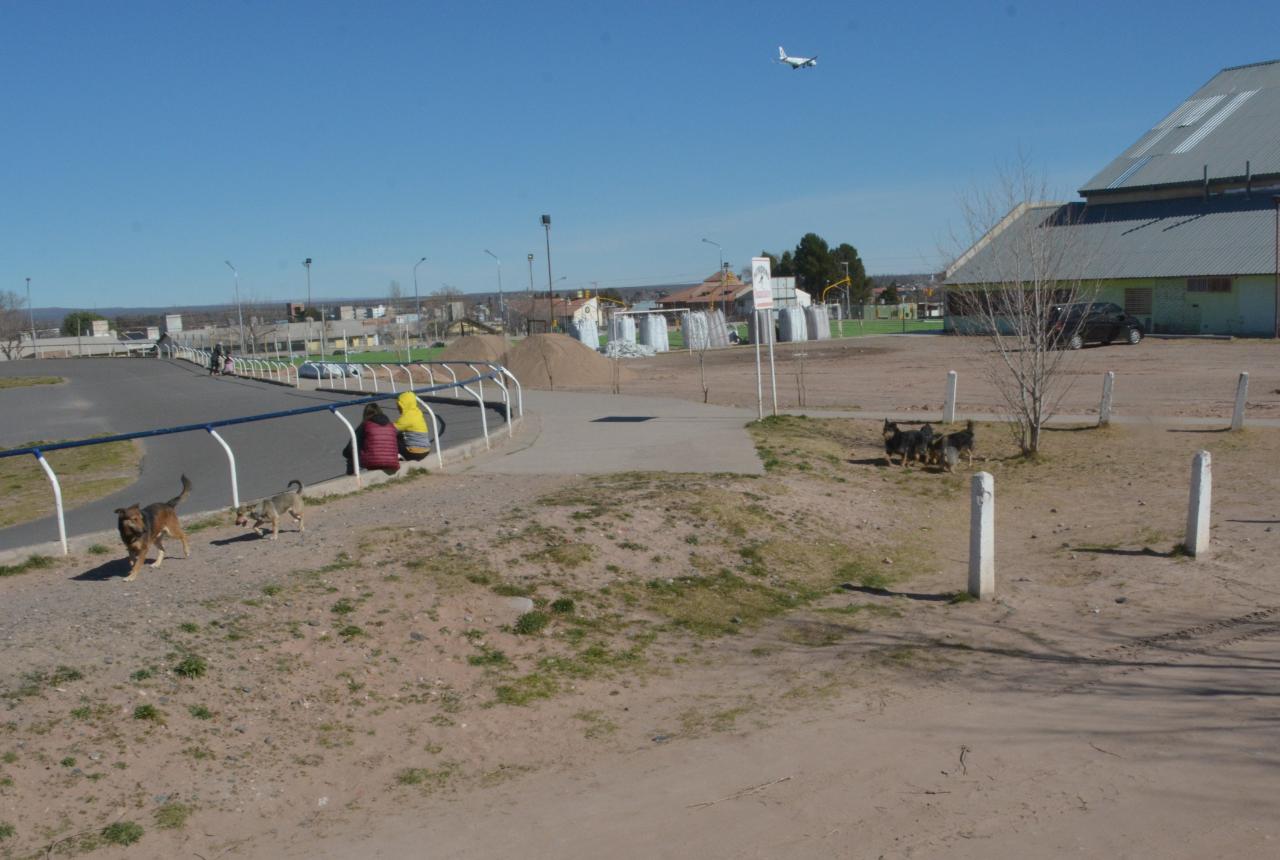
(652, 665)
(908, 372)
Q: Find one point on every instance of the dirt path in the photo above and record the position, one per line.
(654, 665)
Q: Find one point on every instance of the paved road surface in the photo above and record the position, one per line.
(104, 396)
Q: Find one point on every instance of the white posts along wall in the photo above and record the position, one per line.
(1104, 408)
(1197, 539)
(1242, 394)
(949, 400)
(982, 537)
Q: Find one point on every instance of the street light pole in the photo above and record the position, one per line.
(239, 312)
(502, 307)
(306, 264)
(417, 303)
(551, 295)
(31, 315)
(723, 304)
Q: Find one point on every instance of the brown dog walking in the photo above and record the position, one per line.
(141, 528)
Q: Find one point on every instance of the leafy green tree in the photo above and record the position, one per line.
(79, 322)
(890, 295)
(860, 290)
(815, 265)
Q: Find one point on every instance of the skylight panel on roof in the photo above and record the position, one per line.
(1213, 122)
(1129, 171)
(1199, 107)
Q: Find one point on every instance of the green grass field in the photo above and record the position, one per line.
(856, 328)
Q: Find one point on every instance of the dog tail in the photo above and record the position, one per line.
(186, 488)
(299, 483)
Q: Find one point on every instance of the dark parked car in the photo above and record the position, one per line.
(1094, 322)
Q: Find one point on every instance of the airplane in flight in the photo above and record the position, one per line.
(796, 62)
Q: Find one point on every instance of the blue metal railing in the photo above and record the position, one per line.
(38, 451)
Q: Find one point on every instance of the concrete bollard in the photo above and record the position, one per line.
(949, 402)
(1242, 393)
(1197, 540)
(982, 537)
(1104, 410)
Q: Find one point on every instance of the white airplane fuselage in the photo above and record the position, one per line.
(796, 62)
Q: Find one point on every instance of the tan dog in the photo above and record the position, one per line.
(141, 528)
(270, 510)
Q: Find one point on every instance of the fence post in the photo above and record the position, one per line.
(949, 404)
(231, 460)
(1242, 393)
(982, 537)
(57, 502)
(435, 431)
(355, 447)
(1104, 409)
(1197, 539)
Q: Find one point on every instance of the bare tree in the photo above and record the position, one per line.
(1021, 267)
(12, 322)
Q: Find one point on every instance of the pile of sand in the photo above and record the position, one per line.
(559, 361)
(477, 347)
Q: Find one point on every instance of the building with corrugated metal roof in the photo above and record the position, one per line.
(1182, 228)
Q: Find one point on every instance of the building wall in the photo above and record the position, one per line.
(1248, 309)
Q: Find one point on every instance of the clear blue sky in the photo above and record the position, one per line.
(146, 142)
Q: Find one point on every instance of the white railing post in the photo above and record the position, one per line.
(1197, 538)
(391, 375)
(506, 397)
(355, 447)
(431, 377)
(519, 390)
(231, 462)
(1104, 408)
(1242, 393)
(435, 430)
(57, 501)
(949, 403)
(982, 537)
(484, 420)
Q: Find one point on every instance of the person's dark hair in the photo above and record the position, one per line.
(370, 410)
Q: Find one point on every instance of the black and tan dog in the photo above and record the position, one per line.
(945, 450)
(142, 528)
(907, 444)
(272, 509)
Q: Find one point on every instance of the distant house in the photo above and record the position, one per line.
(719, 291)
(580, 310)
(1180, 229)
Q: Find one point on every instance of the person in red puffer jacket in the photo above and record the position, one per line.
(376, 442)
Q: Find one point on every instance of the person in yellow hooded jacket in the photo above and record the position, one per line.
(411, 427)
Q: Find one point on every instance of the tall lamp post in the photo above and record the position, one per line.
(31, 316)
(239, 312)
(721, 252)
(417, 303)
(502, 307)
(306, 264)
(551, 295)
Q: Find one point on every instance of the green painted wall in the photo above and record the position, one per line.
(1249, 309)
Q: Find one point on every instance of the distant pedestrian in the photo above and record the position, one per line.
(215, 360)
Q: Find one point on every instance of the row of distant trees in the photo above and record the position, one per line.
(816, 265)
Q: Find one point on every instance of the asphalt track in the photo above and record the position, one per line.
(104, 396)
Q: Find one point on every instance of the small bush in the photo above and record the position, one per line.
(271, 590)
(172, 816)
(69, 761)
(200, 712)
(488, 657)
(140, 675)
(6, 830)
(98, 549)
(122, 833)
(189, 627)
(63, 674)
(351, 631)
(563, 606)
(343, 607)
(148, 712)
(531, 622)
(191, 666)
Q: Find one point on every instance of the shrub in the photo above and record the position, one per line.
(531, 622)
(122, 833)
(191, 666)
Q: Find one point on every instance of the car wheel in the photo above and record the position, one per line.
(1076, 342)
(1135, 336)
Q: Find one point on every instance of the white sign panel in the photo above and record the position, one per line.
(761, 284)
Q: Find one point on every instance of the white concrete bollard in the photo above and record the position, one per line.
(1104, 410)
(982, 537)
(1242, 393)
(949, 403)
(1197, 540)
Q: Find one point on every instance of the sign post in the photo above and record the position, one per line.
(762, 304)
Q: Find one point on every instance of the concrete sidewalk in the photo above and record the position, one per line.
(577, 433)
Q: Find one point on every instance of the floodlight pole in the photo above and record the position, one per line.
(531, 278)
(31, 315)
(551, 295)
(306, 264)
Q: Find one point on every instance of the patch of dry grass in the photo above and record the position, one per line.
(84, 474)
